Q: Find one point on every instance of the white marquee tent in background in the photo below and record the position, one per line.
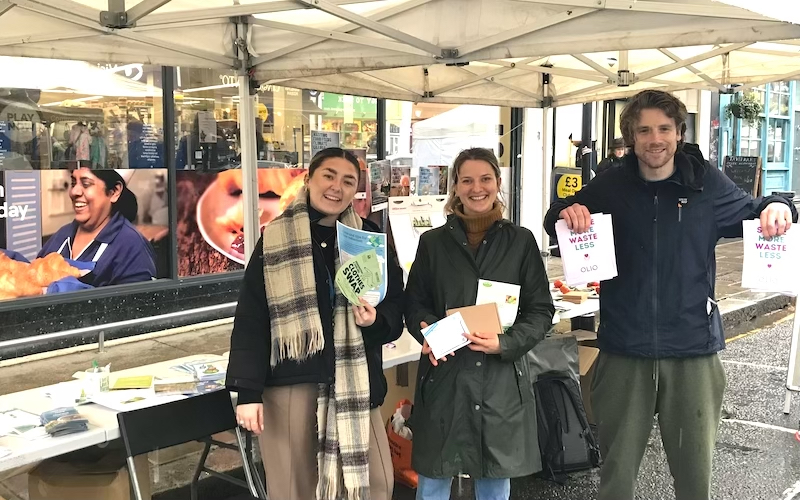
(785, 10)
(493, 52)
(454, 51)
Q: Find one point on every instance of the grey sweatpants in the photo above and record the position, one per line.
(687, 396)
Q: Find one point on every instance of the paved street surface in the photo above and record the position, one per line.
(757, 456)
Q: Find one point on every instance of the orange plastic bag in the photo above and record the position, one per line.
(400, 449)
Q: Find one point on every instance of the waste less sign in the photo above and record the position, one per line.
(588, 256)
(770, 264)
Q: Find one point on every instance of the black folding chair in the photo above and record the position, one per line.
(196, 418)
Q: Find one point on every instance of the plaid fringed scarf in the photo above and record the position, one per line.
(342, 407)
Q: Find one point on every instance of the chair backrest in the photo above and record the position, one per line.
(177, 422)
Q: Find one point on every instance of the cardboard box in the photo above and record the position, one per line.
(484, 318)
(585, 338)
(88, 476)
(575, 297)
(587, 358)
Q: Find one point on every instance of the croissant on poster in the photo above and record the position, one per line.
(20, 279)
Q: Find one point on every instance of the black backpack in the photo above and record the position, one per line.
(566, 441)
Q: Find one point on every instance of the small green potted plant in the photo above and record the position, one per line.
(746, 108)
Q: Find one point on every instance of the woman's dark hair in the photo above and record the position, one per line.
(126, 204)
(328, 153)
(481, 154)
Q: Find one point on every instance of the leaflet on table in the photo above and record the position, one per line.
(133, 399)
(63, 421)
(21, 423)
(446, 335)
(186, 385)
(204, 369)
(67, 393)
(505, 295)
(409, 218)
(770, 265)
(367, 276)
(588, 256)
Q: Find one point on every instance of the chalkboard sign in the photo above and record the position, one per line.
(745, 172)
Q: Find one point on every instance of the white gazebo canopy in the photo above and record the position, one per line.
(451, 51)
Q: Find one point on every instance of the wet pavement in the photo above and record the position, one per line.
(757, 457)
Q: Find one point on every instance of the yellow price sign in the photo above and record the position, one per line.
(568, 185)
(263, 112)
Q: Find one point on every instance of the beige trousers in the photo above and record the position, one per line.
(289, 446)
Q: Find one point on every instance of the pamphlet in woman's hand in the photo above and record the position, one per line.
(359, 275)
(446, 335)
(355, 242)
(505, 295)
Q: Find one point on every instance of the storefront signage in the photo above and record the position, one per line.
(362, 107)
(11, 211)
(229, 80)
(133, 71)
(17, 122)
(566, 183)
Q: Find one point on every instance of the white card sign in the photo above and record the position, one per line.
(323, 140)
(770, 264)
(588, 256)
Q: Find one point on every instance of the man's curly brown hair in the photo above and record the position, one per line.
(652, 99)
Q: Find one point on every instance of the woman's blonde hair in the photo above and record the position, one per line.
(480, 154)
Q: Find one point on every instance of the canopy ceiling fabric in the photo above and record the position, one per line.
(492, 52)
(783, 10)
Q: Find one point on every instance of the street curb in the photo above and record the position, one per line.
(740, 315)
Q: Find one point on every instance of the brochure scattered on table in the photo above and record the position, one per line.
(588, 256)
(770, 265)
(367, 271)
(133, 399)
(63, 421)
(446, 335)
(21, 423)
(204, 369)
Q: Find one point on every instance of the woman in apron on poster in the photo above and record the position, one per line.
(102, 234)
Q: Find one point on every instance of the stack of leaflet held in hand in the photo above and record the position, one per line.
(363, 265)
(588, 256)
(63, 421)
(495, 313)
(770, 264)
(446, 335)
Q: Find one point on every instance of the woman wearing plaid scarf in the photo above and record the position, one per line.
(474, 410)
(307, 366)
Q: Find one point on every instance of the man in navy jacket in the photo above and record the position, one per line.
(660, 330)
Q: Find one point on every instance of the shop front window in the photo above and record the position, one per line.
(751, 140)
(83, 186)
(796, 153)
(425, 138)
(779, 99)
(209, 180)
(777, 136)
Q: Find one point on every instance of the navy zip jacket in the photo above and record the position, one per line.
(661, 303)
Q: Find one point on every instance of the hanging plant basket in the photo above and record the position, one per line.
(747, 108)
